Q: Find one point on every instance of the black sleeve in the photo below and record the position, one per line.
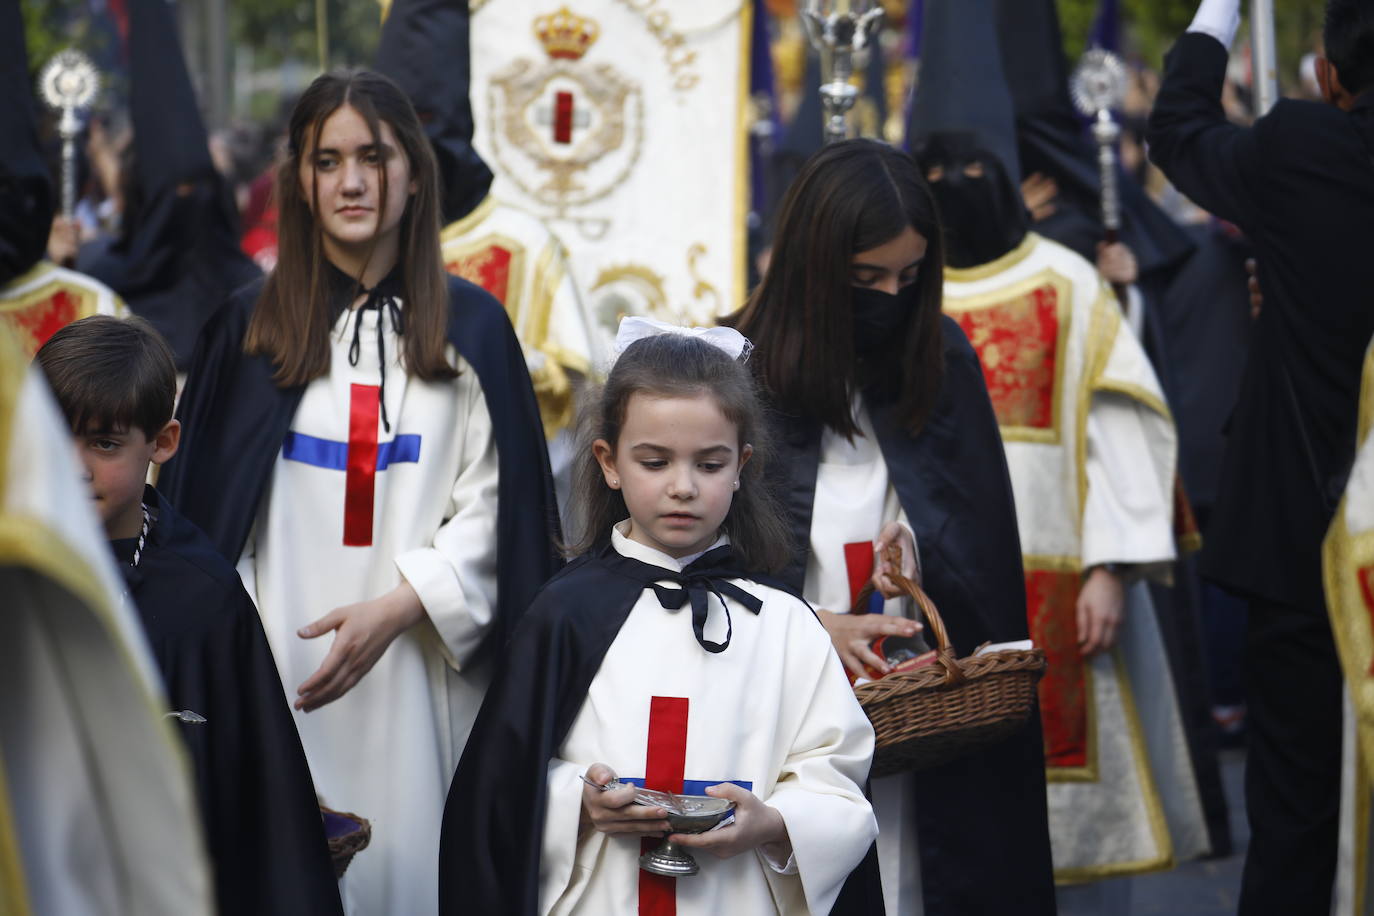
(1214, 162)
(493, 827)
(262, 821)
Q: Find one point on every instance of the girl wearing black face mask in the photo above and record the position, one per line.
(887, 434)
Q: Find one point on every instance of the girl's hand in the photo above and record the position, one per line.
(852, 633)
(756, 824)
(1100, 604)
(894, 532)
(615, 811)
(365, 630)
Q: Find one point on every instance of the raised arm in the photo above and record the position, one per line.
(1213, 161)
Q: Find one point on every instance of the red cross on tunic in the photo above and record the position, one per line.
(664, 764)
(858, 563)
(360, 481)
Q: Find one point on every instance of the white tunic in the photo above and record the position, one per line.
(388, 748)
(773, 712)
(853, 500)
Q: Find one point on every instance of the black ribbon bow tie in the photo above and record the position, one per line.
(709, 574)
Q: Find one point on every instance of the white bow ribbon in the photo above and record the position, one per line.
(633, 328)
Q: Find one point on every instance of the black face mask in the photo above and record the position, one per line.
(878, 316)
(983, 217)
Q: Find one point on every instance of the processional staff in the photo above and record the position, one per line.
(836, 29)
(1098, 85)
(69, 84)
(1263, 57)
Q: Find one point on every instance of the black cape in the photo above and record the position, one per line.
(988, 806)
(258, 808)
(234, 420)
(493, 828)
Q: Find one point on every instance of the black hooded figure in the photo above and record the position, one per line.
(425, 51)
(1052, 141)
(26, 192)
(964, 137)
(177, 254)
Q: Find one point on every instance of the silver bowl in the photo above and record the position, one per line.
(686, 814)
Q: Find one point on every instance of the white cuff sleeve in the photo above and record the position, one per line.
(1218, 18)
(780, 866)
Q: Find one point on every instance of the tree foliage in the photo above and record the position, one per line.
(1150, 27)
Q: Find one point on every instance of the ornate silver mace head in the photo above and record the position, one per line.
(69, 81)
(836, 29)
(1098, 85)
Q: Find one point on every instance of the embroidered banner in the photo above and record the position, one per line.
(623, 124)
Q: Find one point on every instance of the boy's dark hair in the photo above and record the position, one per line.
(667, 366)
(110, 375)
(1349, 38)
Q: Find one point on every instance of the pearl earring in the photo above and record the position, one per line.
(615, 482)
(736, 484)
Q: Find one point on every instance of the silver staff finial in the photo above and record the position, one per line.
(838, 28)
(1098, 85)
(69, 83)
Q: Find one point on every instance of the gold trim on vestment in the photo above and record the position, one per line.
(547, 275)
(1103, 324)
(456, 248)
(33, 273)
(959, 305)
(1343, 555)
(87, 299)
(463, 225)
(14, 894)
(1154, 807)
(993, 268)
(742, 134)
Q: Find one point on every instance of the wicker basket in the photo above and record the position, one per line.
(347, 834)
(936, 713)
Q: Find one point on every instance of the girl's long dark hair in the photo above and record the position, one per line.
(673, 365)
(849, 197)
(293, 315)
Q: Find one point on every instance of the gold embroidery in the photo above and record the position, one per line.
(1021, 335)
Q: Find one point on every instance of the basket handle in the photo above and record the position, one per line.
(944, 652)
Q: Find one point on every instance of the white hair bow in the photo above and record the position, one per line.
(633, 328)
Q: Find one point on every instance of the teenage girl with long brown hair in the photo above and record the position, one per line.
(361, 436)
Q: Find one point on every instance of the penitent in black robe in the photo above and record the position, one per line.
(262, 824)
(981, 819)
(234, 420)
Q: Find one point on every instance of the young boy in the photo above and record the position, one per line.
(115, 382)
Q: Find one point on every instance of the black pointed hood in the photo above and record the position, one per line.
(425, 49)
(177, 256)
(1052, 140)
(27, 195)
(962, 132)
(961, 87)
(170, 142)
